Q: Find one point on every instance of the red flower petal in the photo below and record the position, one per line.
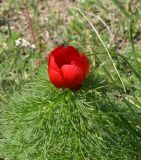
(73, 76)
(82, 62)
(52, 64)
(56, 78)
(72, 54)
(64, 55)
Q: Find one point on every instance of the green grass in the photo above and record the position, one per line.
(102, 120)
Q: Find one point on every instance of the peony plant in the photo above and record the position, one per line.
(67, 68)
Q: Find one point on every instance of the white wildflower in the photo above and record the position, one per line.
(23, 43)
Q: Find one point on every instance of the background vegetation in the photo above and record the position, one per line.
(102, 120)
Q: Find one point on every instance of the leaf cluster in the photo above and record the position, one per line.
(45, 123)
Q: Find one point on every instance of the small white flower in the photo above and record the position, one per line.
(23, 43)
(18, 42)
(33, 46)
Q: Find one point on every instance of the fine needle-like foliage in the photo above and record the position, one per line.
(45, 123)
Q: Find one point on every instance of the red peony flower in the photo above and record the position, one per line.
(67, 68)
